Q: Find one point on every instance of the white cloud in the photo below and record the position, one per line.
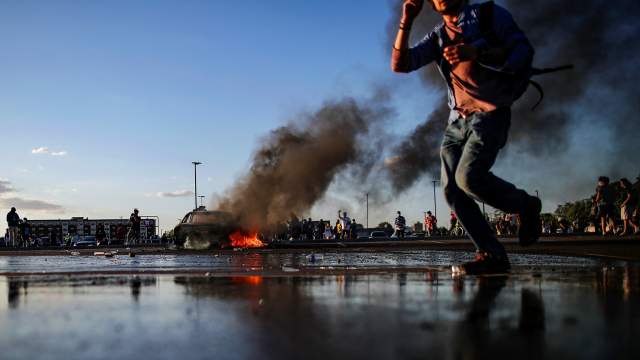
(6, 187)
(175, 194)
(29, 204)
(40, 150)
(43, 150)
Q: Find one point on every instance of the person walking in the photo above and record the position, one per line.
(627, 207)
(485, 60)
(134, 232)
(13, 222)
(400, 224)
(430, 223)
(603, 201)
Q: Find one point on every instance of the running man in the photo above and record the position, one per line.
(483, 63)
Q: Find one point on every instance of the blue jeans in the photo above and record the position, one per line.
(469, 150)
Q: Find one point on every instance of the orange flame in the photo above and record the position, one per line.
(240, 239)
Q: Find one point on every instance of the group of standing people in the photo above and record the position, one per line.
(603, 208)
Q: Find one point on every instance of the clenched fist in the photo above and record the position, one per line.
(411, 9)
(460, 53)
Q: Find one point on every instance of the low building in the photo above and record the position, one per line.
(113, 228)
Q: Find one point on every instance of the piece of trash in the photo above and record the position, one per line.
(289, 269)
(75, 253)
(98, 253)
(108, 254)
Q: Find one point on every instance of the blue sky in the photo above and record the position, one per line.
(125, 94)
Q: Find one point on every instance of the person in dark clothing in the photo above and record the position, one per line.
(628, 207)
(134, 231)
(604, 203)
(484, 61)
(318, 229)
(310, 228)
(13, 221)
(400, 224)
(25, 231)
(353, 230)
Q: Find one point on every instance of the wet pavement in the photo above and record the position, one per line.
(274, 262)
(394, 305)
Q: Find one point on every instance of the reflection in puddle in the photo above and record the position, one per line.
(540, 313)
(18, 287)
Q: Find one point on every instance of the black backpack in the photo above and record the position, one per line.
(523, 79)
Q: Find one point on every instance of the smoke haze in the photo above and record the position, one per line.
(296, 163)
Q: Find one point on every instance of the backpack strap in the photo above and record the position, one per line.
(485, 17)
(537, 86)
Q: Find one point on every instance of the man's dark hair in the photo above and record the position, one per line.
(604, 179)
(13, 209)
(465, 2)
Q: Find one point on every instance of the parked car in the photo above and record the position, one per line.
(88, 241)
(204, 229)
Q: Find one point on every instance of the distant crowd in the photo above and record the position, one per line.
(614, 210)
(20, 234)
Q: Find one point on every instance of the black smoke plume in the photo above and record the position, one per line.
(585, 126)
(296, 163)
(419, 153)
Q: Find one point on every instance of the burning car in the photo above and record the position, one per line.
(202, 229)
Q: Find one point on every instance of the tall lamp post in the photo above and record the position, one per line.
(367, 210)
(435, 203)
(195, 183)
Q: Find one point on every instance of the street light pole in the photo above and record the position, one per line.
(367, 210)
(195, 183)
(435, 203)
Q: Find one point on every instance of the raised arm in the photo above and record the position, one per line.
(403, 58)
